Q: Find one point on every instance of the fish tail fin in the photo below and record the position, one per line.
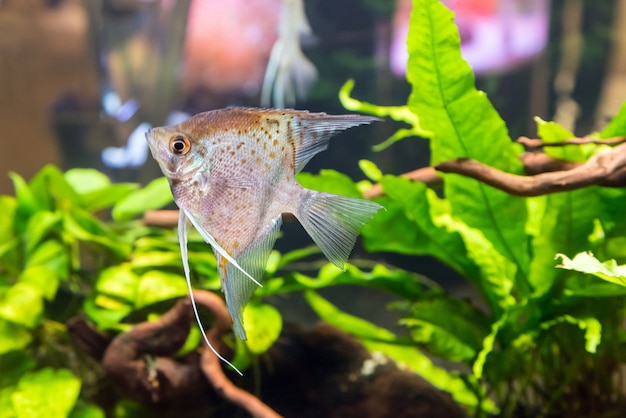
(334, 222)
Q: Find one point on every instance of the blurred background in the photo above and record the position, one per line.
(81, 80)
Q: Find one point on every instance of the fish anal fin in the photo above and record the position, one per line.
(253, 258)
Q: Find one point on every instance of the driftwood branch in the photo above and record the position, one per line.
(427, 175)
(606, 169)
(532, 143)
(212, 367)
(141, 361)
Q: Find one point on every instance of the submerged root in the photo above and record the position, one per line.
(142, 363)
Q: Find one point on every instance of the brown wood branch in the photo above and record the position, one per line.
(533, 143)
(140, 361)
(601, 169)
(426, 175)
(212, 367)
(161, 218)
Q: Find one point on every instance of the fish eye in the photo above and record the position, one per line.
(180, 145)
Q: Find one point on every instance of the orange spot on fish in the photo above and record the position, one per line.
(272, 154)
(223, 263)
(275, 142)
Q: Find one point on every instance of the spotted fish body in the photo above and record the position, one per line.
(232, 174)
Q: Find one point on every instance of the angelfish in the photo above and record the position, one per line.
(232, 174)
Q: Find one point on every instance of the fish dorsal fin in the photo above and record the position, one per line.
(182, 238)
(218, 248)
(314, 130)
(253, 258)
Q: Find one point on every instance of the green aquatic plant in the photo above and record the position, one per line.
(55, 257)
(538, 339)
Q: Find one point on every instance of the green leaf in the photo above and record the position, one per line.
(86, 180)
(157, 286)
(263, 324)
(14, 364)
(6, 406)
(52, 190)
(26, 202)
(370, 170)
(8, 206)
(43, 279)
(451, 329)
(95, 189)
(403, 283)
(430, 229)
(586, 262)
(465, 125)
(600, 290)
(119, 282)
(85, 227)
(563, 222)
(22, 304)
(591, 326)
(105, 315)
(551, 132)
(399, 113)
(488, 345)
(349, 323)
(40, 225)
(13, 336)
(153, 259)
(154, 196)
(46, 393)
(407, 226)
(84, 410)
(52, 254)
(329, 181)
(617, 126)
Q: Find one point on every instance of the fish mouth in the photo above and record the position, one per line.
(150, 138)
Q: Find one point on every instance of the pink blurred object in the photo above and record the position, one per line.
(228, 44)
(496, 35)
